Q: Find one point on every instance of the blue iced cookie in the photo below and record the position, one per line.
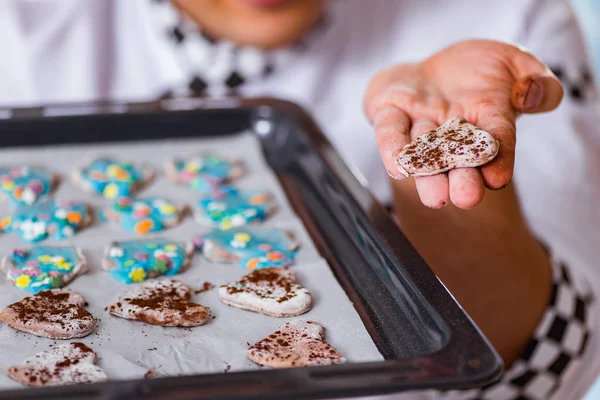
(26, 185)
(204, 173)
(145, 215)
(254, 247)
(43, 267)
(228, 207)
(56, 219)
(112, 178)
(137, 260)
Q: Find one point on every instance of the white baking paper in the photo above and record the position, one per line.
(129, 349)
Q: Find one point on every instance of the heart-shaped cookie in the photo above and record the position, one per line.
(205, 172)
(455, 144)
(59, 220)
(56, 314)
(43, 267)
(271, 291)
(254, 247)
(298, 343)
(229, 207)
(112, 178)
(132, 261)
(26, 184)
(62, 365)
(162, 302)
(144, 215)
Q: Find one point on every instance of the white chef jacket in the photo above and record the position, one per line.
(82, 50)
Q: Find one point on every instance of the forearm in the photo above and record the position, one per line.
(487, 258)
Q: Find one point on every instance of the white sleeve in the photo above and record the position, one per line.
(558, 153)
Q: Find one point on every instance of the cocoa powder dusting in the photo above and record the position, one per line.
(268, 283)
(206, 286)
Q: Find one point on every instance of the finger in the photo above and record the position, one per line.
(392, 127)
(433, 190)
(537, 89)
(536, 94)
(501, 124)
(466, 187)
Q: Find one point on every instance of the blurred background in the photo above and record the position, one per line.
(588, 12)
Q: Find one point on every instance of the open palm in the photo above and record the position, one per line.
(487, 82)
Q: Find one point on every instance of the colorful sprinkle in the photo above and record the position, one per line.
(23, 281)
(137, 275)
(110, 191)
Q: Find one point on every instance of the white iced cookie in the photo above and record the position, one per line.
(163, 302)
(456, 144)
(62, 365)
(298, 343)
(270, 291)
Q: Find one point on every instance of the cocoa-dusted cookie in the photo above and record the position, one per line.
(298, 343)
(132, 261)
(56, 314)
(271, 291)
(254, 247)
(112, 178)
(43, 267)
(144, 215)
(228, 207)
(64, 364)
(26, 185)
(204, 173)
(455, 144)
(162, 302)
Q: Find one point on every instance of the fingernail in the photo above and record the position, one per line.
(533, 97)
(397, 175)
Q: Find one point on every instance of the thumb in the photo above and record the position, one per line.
(537, 89)
(536, 94)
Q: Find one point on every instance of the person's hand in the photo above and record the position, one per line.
(487, 82)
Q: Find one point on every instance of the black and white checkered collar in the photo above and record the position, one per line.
(220, 67)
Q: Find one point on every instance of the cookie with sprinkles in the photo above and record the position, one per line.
(54, 219)
(112, 178)
(254, 247)
(146, 215)
(26, 185)
(163, 302)
(204, 173)
(298, 343)
(43, 267)
(271, 291)
(55, 314)
(455, 144)
(228, 207)
(65, 364)
(137, 260)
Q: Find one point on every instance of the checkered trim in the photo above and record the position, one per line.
(558, 342)
(214, 67)
(578, 82)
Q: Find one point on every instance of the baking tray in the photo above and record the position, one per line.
(426, 338)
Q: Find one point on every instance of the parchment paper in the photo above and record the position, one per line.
(129, 349)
